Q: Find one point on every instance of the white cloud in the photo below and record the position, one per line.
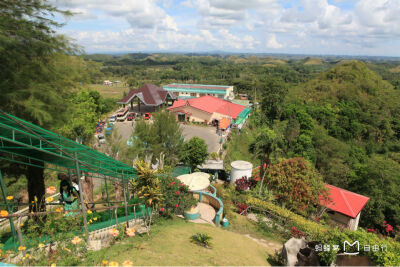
(273, 43)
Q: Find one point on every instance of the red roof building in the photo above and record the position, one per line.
(211, 104)
(206, 109)
(148, 94)
(344, 204)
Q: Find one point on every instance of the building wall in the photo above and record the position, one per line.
(345, 221)
(199, 115)
(229, 93)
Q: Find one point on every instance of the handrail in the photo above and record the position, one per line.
(213, 189)
(221, 205)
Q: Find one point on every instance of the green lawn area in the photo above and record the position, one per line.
(109, 91)
(169, 244)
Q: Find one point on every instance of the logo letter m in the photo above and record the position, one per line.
(351, 245)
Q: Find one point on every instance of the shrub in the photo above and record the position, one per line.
(335, 236)
(176, 196)
(201, 239)
(244, 183)
(242, 208)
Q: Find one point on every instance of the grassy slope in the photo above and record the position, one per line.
(169, 244)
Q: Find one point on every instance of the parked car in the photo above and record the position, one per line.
(112, 118)
(147, 116)
(101, 138)
(130, 116)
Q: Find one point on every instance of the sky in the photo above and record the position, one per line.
(317, 27)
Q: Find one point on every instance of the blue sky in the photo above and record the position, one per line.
(364, 27)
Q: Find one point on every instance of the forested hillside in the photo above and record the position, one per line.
(347, 122)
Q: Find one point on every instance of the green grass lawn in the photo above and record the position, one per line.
(169, 244)
(109, 91)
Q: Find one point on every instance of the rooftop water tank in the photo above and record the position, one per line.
(239, 169)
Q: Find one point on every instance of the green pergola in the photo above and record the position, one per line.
(28, 144)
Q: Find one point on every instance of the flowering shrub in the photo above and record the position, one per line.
(176, 196)
(244, 183)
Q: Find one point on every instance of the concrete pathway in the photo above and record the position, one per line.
(207, 214)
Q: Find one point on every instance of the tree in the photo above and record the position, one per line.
(262, 148)
(164, 135)
(32, 86)
(149, 189)
(194, 152)
(296, 183)
(274, 93)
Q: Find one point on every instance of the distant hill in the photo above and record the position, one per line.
(313, 61)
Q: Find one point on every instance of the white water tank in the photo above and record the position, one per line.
(239, 169)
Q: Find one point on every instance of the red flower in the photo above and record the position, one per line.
(176, 205)
(171, 183)
(182, 184)
(389, 228)
(162, 209)
(177, 192)
(371, 230)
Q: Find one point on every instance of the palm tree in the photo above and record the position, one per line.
(262, 148)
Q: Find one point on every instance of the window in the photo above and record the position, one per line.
(202, 94)
(192, 94)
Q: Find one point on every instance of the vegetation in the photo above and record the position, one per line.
(162, 136)
(201, 239)
(194, 152)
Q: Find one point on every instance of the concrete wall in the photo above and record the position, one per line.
(345, 221)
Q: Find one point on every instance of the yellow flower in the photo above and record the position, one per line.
(59, 210)
(104, 263)
(35, 198)
(127, 263)
(76, 240)
(9, 197)
(49, 199)
(90, 221)
(40, 245)
(67, 249)
(3, 213)
(21, 248)
(21, 224)
(95, 218)
(53, 265)
(27, 255)
(113, 263)
(89, 212)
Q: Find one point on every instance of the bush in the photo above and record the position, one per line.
(244, 183)
(176, 196)
(201, 239)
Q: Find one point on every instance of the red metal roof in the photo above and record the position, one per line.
(343, 201)
(149, 94)
(211, 104)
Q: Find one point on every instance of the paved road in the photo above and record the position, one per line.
(207, 133)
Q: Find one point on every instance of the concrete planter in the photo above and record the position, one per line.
(192, 214)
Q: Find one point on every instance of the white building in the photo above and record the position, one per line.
(186, 91)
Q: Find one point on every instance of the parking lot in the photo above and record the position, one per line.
(207, 133)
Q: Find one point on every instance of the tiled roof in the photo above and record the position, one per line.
(343, 201)
(149, 94)
(211, 104)
(224, 123)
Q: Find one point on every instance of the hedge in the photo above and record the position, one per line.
(327, 235)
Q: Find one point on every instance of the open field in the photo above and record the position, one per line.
(109, 91)
(169, 244)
